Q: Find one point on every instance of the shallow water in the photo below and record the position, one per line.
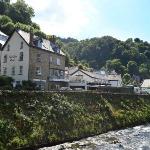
(136, 138)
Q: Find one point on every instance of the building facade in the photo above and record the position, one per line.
(28, 57)
(79, 78)
(3, 39)
(145, 87)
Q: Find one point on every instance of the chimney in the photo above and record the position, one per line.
(31, 38)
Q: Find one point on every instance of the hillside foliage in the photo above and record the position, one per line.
(18, 15)
(130, 57)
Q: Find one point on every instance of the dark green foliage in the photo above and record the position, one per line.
(127, 79)
(28, 85)
(18, 12)
(33, 118)
(113, 54)
(18, 15)
(5, 82)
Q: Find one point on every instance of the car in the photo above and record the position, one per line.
(65, 89)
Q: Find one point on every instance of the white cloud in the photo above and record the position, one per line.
(63, 17)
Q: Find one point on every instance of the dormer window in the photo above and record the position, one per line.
(21, 56)
(21, 45)
(8, 47)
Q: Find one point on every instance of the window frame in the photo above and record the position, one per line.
(58, 62)
(20, 70)
(38, 71)
(21, 56)
(21, 45)
(38, 57)
(13, 71)
(5, 58)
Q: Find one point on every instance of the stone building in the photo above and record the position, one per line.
(29, 57)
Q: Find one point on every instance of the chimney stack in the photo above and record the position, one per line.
(31, 38)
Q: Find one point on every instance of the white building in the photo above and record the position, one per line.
(28, 57)
(145, 87)
(3, 39)
(79, 78)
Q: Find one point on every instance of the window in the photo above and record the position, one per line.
(38, 71)
(62, 73)
(4, 71)
(8, 47)
(5, 58)
(38, 57)
(21, 56)
(13, 71)
(21, 45)
(58, 61)
(20, 70)
(51, 59)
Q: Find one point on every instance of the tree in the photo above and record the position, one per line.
(5, 81)
(3, 8)
(147, 54)
(127, 79)
(144, 71)
(4, 20)
(132, 68)
(21, 12)
(9, 27)
(116, 65)
(35, 26)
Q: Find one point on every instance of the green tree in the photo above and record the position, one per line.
(116, 65)
(127, 79)
(5, 82)
(21, 12)
(144, 71)
(132, 68)
(4, 20)
(3, 8)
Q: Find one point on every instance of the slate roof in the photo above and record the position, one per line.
(4, 36)
(46, 44)
(1, 33)
(110, 77)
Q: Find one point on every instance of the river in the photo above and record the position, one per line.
(136, 138)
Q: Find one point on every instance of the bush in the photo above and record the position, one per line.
(28, 85)
(5, 82)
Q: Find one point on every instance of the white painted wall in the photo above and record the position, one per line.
(76, 75)
(116, 83)
(15, 43)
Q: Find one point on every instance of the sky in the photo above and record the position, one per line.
(82, 19)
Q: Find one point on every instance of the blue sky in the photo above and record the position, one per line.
(83, 19)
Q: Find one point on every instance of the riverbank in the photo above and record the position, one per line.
(136, 138)
(31, 119)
